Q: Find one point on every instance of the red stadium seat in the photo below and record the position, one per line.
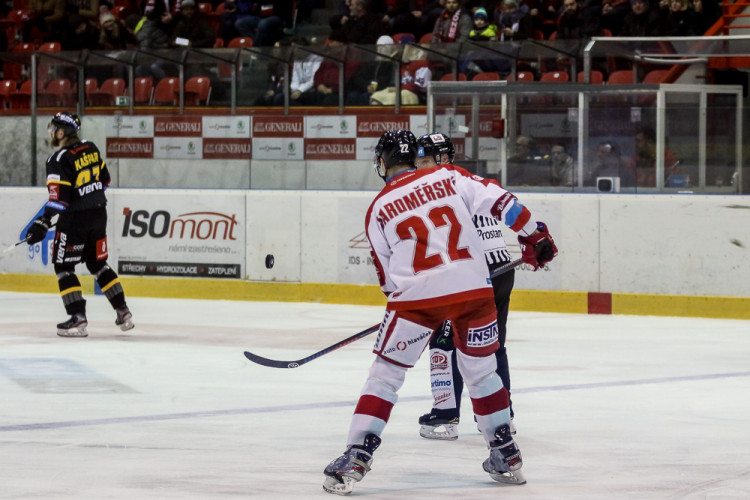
(197, 91)
(143, 90)
(106, 94)
(167, 91)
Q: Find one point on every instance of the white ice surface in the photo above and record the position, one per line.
(607, 407)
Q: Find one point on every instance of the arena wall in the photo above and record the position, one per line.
(631, 254)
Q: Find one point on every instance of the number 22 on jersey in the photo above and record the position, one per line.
(418, 229)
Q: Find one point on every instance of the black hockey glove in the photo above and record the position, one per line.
(38, 230)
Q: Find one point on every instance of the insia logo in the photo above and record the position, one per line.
(193, 225)
(482, 336)
(438, 361)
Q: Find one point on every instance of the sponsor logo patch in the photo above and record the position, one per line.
(482, 336)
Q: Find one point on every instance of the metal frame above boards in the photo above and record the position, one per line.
(510, 98)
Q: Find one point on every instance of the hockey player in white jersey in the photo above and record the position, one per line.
(430, 264)
(445, 378)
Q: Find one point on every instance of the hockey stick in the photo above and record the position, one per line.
(294, 364)
(506, 267)
(273, 363)
(14, 245)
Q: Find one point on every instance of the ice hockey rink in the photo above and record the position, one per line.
(607, 407)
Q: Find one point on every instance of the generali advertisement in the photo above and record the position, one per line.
(344, 137)
(164, 234)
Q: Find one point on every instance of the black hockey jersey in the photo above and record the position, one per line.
(76, 179)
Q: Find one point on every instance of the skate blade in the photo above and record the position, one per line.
(514, 477)
(339, 487)
(79, 331)
(444, 432)
(128, 325)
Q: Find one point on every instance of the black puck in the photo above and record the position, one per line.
(269, 261)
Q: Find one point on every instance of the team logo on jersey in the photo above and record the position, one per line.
(482, 336)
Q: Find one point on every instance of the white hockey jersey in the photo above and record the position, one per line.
(424, 243)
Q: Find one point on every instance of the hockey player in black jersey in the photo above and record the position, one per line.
(446, 380)
(76, 179)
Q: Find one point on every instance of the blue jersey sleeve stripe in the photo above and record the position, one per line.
(513, 212)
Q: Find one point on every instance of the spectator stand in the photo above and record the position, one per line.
(372, 54)
(337, 54)
(528, 56)
(644, 54)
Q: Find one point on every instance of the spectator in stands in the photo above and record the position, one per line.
(191, 29)
(427, 16)
(360, 25)
(575, 23)
(641, 20)
(608, 163)
(79, 34)
(483, 30)
(156, 30)
(644, 159)
(265, 24)
(303, 74)
(514, 22)
(528, 165)
(112, 34)
(46, 19)
(399, 18)
(132, 24)
(276, 74)
(708, 12)
(87, 9)
(233, 10)
(325, 89)
(563, 166)
(415, 77)
(453, 25)
(682, 19)
(613, 12)
(372, 76)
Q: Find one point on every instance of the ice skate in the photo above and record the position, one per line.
(504, 464)
(124, 319)
(512, 426)
(351, 467)
(74, 327)
(439, 424)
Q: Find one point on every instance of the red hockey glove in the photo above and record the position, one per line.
(538, 248)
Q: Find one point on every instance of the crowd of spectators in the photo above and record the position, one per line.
(153, 23)
(162, 24)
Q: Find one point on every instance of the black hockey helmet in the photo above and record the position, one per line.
(436, 144)
(395, 147)
(69, 123)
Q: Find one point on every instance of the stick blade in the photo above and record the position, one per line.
(271, 362)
